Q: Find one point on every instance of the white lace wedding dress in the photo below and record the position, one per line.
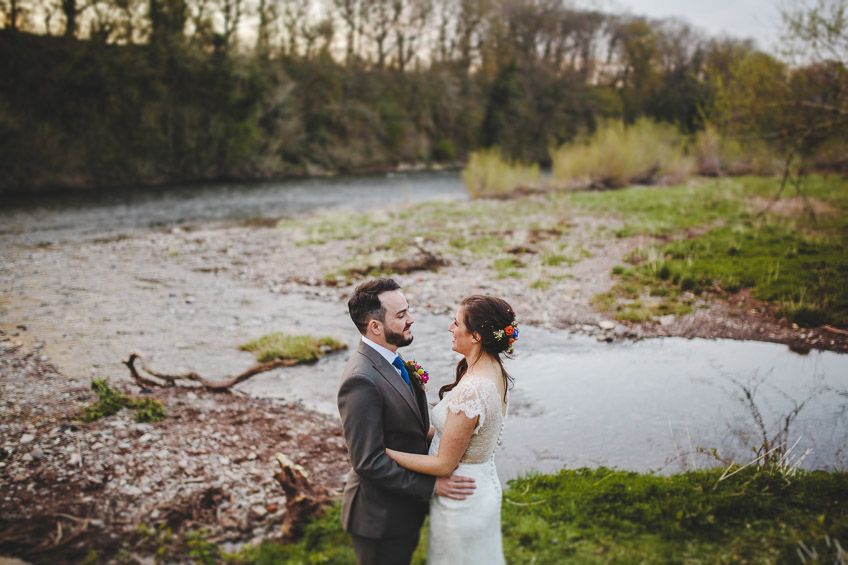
(469, 531)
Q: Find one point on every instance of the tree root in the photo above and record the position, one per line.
(219, 386)
(303, 500)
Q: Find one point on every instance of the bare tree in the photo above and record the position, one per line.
(412, 19)
(231, 10)
(380, 18)
(295, 20)
(469, 23)
(445, 15)
(71, 12)
(268, 14)
(349, 11)
(128, 21)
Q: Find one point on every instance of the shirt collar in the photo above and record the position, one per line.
(387, 354)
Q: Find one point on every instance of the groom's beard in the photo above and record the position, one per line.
(397, 339)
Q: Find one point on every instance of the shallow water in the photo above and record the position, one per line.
(576, 402)
(636, 405)
(649, 405)
(75, 214)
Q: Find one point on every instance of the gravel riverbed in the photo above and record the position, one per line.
(186, 298)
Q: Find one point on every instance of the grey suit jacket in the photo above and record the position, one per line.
(382, 499)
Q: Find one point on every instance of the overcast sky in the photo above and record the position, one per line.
(757, 19)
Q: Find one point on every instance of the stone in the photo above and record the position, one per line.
(667, 320)
(258, 510)
(27, 438)
(132, 490)
(223, 460)
(75, 459)
(145, 438)
(37, 453)
(606, 325)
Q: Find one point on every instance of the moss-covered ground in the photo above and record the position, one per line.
(300, 348)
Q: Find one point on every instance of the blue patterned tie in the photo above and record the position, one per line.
(399, 365)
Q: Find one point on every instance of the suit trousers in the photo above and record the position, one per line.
(389, 551)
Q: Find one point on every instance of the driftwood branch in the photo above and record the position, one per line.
(215, 386)
(303, 500)
(834, 330)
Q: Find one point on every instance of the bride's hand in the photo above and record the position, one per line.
(392, 453)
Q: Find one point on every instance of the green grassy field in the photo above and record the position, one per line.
(762, 514)
(724, 239)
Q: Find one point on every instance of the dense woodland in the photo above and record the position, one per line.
(104, 92)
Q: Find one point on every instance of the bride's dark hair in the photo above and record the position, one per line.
(486, 316)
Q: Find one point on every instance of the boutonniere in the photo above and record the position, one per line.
(417, 372)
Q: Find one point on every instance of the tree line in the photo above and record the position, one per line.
(101, 92)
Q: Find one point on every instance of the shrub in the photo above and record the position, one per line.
(487, 173)
(443, 150)
(616, 156)
(715, 155)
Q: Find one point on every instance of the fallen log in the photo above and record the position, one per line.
(303, 500)
(214, 386)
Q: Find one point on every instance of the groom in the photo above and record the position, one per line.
(384, 504)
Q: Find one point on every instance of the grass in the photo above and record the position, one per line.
(722, 243)
(111, 401)
(759, 514)
(709, 237)
(602, 515)
(805, 275)
(301, 348)
(660, 211)
(461, 231)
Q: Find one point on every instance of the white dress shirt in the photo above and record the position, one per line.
(387, 354)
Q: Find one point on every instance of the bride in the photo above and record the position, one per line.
(467, 424)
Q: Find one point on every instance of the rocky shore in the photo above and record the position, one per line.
(186, 297)
(72, 488)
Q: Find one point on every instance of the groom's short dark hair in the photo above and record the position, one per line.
(364, 304)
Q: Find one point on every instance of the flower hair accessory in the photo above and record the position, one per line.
(511, 332)
(417, 372)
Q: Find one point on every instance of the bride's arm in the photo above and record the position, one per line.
(431, 433)
(452, 446)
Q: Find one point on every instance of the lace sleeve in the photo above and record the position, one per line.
(466, 398)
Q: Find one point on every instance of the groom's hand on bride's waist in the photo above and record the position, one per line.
(455, 486)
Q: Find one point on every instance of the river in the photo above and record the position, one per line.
(643, 406)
